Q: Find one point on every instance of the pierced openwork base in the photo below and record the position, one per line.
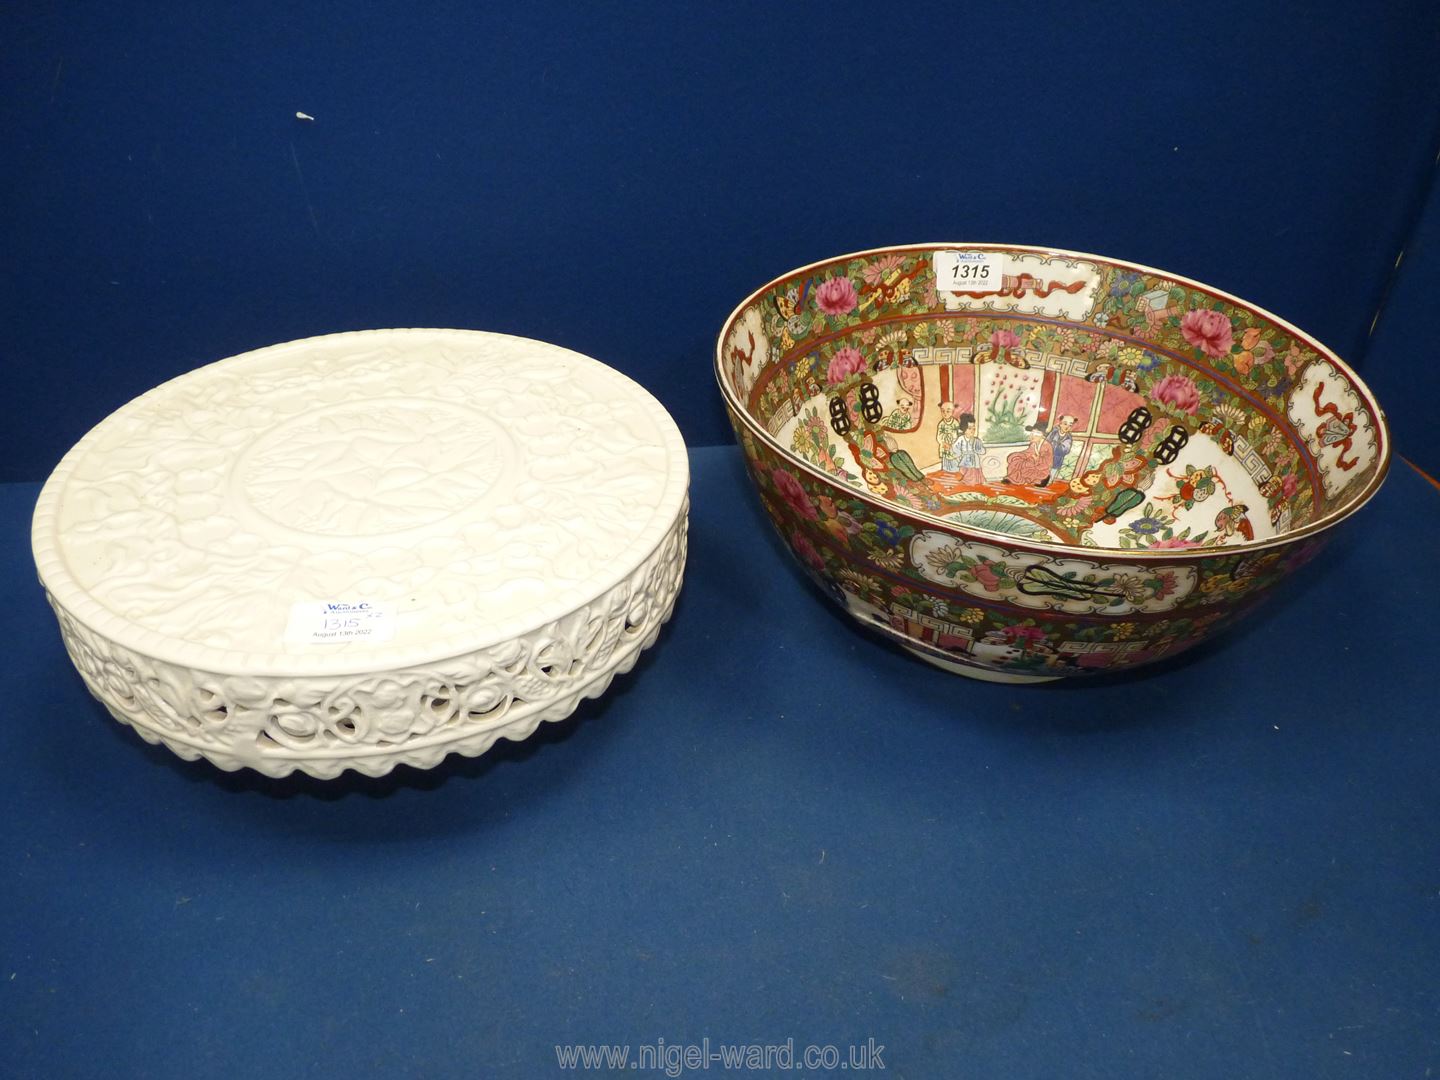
(372, 722)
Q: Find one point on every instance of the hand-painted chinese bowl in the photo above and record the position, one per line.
(1023, 464)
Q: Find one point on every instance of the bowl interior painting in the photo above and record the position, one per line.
(1044, 404)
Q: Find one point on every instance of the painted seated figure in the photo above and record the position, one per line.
(1033, 465)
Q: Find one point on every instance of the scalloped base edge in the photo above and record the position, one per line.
(419, 754)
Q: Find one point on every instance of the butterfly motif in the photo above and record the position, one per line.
(1223, 435)
(790, 320)
(791, 302)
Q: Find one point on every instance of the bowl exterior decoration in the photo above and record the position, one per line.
(1024, 464)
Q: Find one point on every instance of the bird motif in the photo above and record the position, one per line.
(1232, 520)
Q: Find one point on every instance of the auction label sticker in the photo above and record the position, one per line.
(969, 271)
(332, 622)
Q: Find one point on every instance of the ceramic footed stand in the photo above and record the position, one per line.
(366, 549)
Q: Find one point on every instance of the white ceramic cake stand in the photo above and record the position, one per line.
(365, 549)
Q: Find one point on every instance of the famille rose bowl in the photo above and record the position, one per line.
(1023, 464)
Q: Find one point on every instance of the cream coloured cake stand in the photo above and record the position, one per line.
(365, 549)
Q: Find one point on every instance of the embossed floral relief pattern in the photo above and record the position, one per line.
(195, 508)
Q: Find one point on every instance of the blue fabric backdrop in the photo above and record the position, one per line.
(616, 177)
(1402, 361)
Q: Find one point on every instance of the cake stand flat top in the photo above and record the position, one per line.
(359, 502)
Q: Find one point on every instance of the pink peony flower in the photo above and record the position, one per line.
(801, 545)
(836, 296)
(1177, 391)
(1289, 485)
(1209, 331)
(1175, 542)
(1004, 339)
(793, 494)
(844, 363)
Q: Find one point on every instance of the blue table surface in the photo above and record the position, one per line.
(776, 828)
